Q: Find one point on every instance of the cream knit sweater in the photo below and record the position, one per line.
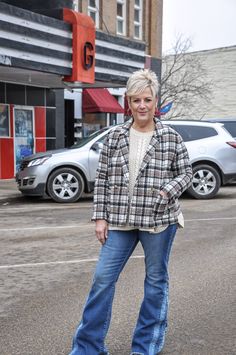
(138, 144)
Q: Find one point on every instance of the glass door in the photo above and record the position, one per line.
(24, 133)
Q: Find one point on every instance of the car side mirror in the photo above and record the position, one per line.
(97, 146)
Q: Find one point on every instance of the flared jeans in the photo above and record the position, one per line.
(149, 333)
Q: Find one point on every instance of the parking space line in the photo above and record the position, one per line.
(209, 219)
(46, 227)
(76, 261)
(33, 208)
(90, 223)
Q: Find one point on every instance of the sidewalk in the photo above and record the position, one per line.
(8, 189)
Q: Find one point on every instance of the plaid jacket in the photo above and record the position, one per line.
(165, 167)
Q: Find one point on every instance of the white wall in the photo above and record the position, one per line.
(220, 66)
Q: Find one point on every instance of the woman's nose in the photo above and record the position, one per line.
(142, 103)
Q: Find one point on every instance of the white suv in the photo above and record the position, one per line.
(212, 153)
(65, 174)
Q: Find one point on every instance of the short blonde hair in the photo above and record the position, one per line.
(140, 80)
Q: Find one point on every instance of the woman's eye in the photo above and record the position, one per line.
(137, 101)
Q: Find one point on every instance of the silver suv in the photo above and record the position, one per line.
(65, 174)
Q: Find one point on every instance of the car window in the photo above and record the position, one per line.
(85, 140)
(230, 127)
(192, 132)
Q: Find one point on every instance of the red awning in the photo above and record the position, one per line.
(100, 100)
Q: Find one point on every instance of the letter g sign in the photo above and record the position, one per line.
(88, 57)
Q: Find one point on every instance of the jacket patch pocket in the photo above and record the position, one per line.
(161, 205)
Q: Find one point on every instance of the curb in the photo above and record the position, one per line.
(8, 190)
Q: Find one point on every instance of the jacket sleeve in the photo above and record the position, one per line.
(101, 184)
(182, 171)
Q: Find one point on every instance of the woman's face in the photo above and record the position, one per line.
(143, 106)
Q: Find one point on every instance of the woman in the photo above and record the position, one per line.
(143, 169)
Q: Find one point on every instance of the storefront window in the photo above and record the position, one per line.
(92, 122)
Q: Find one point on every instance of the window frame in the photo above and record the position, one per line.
(121, 18)
(95, 10)
(76, 5)
(140, 22)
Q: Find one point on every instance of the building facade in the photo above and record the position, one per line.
(36, 62)
(43, 95)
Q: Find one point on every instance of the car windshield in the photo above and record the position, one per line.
(85, 140)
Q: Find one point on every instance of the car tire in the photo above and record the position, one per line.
(65, 185)
(206, 182)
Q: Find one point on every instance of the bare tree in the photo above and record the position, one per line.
(184, 82)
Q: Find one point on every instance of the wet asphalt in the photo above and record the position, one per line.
(47, 256)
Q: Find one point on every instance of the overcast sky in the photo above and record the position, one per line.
(209, 23)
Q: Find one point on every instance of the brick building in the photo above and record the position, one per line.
(128, 37)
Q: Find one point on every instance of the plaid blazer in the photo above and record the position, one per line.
(165, 167)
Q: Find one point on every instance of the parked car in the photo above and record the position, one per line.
(212, 153)
(66, 173)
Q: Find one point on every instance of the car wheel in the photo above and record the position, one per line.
(206, 182)
(65, 185)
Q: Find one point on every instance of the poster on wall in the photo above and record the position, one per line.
(4, 121)
(24, 134)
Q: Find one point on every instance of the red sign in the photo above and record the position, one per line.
(83, 56)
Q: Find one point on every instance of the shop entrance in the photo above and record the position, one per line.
(69, 123)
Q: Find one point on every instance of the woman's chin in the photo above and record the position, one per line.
(143, 118)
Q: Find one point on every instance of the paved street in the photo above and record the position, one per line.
(48, 252)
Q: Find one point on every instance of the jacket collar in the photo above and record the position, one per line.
(158, 127)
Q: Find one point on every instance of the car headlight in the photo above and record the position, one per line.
(38, 161)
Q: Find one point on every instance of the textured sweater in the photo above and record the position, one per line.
(138, 144)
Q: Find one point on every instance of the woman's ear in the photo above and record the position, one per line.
(128, 111)
(128, 101)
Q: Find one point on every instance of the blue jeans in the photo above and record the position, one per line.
(149, 334)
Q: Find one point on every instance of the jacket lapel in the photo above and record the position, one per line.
(124, 149)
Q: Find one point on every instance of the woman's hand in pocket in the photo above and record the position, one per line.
(163, 194)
